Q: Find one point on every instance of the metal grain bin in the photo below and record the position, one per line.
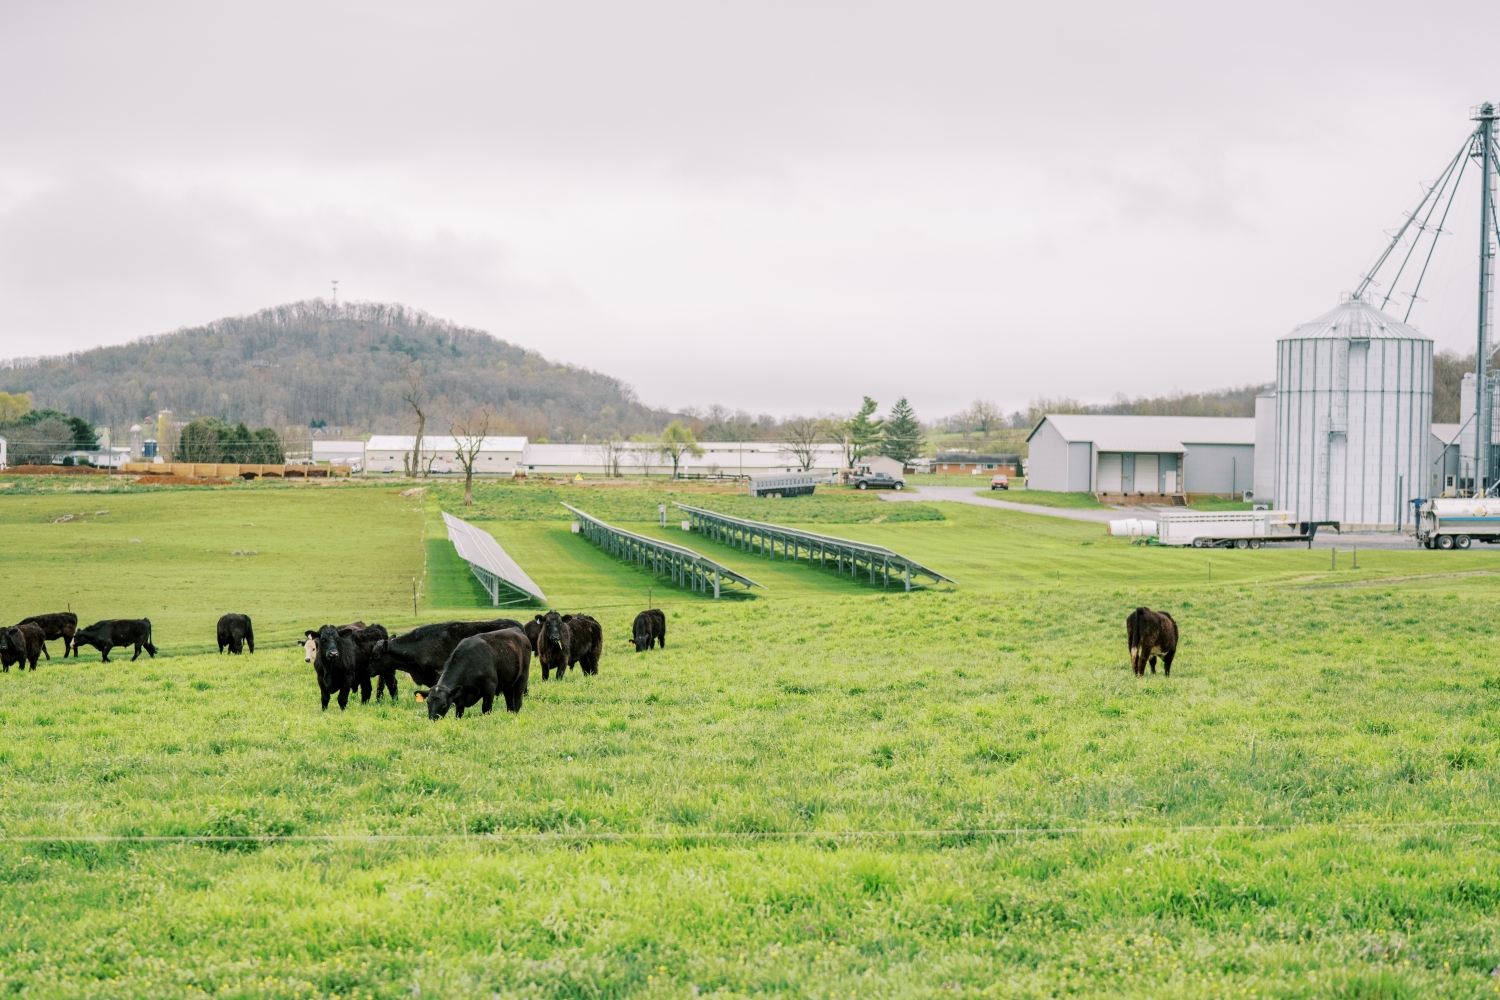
(1353, 412)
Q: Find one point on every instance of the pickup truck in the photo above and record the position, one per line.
(878, 481)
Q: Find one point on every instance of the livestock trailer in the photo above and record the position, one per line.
(1457, 523)
(1236, 529)
(798, 484)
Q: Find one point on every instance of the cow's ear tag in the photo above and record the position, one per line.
(420, 696)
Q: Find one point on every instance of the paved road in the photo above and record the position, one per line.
(966, 494)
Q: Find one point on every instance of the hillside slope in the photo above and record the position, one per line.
(344, 365)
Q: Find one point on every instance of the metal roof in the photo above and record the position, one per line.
(485, 556)
(1355, 319)
(439, 442)
(1127, 432)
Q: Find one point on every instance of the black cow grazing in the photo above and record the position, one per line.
(587, 642)
(650, 628)
(310, 645)
(422, 652)
(236, 632)
(59, 625)
(112, 632)
(21, 644)
(482, 666)
(365, 640)
(334, 661)
(1151, 634)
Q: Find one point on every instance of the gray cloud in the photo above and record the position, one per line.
(777, 206)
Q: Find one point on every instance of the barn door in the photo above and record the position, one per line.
(1145, 473)
(1127, 473)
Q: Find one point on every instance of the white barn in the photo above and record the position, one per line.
(1118, 453)
(392, 453)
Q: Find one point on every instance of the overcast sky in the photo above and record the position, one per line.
(776, 206)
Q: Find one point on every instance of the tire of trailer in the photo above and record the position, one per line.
(1462, 542)
(1255, 543)
(1445, 542)
(1242, 543)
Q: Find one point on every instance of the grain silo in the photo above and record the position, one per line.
(1353, 411)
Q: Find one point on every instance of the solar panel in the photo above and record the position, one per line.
(490, 563)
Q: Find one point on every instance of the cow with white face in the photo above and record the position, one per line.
(310, 647)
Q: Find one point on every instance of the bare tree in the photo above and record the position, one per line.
(803, 435)
(646, 452)
(468, 440)
(611, 449)
(415, 395)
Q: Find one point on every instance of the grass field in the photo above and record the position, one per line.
(821, 790)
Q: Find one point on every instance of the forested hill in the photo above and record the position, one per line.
(344, 365)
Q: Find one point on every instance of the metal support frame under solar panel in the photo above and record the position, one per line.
(685, 567)
(759, 537)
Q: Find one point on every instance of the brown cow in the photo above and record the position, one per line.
(21, 644)
(1151, 634)
(58, 625)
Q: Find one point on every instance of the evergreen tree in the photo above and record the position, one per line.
(903, 432)
(863, 431)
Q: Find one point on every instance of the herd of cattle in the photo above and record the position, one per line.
(459, 663)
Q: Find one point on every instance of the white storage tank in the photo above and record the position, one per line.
(1353, 413)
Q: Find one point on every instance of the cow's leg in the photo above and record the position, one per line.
(458, 710)
(326, 694)
(486, 704)
(104, 653)
(343, 698)
(390, 682)
(1153, 662)
(364, 690)
(1166, 662)
(49, 655)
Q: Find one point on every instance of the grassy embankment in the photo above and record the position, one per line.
(786, 800)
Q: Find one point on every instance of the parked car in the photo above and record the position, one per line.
(1000, 482)
(878, 481)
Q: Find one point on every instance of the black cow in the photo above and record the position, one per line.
(21, 644)
(587, 642)
(482, 666)
(334, 662)
(422, 652)
(1151, 634)
(365, 640)
(552, 642)
(112, 632)
(59, 625)
(650, 628)
(563, 640)
(236, 632)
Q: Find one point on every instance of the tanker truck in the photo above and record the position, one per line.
(1458, 523)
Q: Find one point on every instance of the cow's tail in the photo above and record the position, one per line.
(147, 643)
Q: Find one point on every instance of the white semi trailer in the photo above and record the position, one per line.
(1458, 523)
(1235, 529)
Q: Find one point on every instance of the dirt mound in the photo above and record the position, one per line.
(179, 481)
(52, 470)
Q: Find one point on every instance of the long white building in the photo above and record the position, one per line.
(391, 453)
(1109, 453)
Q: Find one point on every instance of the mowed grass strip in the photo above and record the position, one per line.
(824, 709)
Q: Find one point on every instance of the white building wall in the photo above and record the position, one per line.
(1265, 447)
(1047, 460)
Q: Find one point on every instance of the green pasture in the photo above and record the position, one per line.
(820, 789)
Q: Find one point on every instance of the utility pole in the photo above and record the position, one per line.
(1484, 137)
(335, 293)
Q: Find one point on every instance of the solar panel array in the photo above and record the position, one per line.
(856, 558)
(686, 567)
(490, 563)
